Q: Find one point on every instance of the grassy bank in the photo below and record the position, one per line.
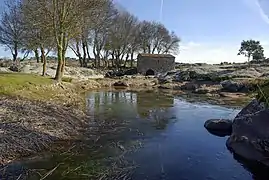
(38, 88)
(36, 111)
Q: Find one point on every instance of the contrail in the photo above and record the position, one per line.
(161, 11)
(263, 14)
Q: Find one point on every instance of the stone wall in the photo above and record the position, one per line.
(159, 64)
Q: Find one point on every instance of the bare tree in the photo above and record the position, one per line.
(11, 28)
(171, 44)
(120, 35)
(156, 38)
(38, 38)
(100, 31)
(64, 21)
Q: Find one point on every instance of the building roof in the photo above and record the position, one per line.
(156, 55)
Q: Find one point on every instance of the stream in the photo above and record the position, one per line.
(151, 136)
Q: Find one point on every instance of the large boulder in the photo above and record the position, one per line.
(221, 127)
(250, 133)
(231, 86)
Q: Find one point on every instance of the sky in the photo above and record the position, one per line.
(210, 30)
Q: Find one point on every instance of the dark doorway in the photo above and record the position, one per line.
(150, 72)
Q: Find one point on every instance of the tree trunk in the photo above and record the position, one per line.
(88, 52)
(44, 60)
(126, 60)
(79, 54)
(84, 54)
(36, 55)
(15, 54)
(65, 43)
(132, 60)
(249, 60)
(60, 47)
(58, 76)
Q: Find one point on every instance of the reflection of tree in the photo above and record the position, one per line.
(155, 107)
(110, 104)
(121, 106)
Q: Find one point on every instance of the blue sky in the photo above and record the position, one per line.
(211, 30)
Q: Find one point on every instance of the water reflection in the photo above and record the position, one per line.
(175, 144)
(154, 107)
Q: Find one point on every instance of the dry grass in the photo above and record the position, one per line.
(28, 127)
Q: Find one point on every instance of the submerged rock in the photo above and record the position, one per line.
(250, 133)
(220, 127)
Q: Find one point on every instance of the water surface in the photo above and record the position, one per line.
(163, 137)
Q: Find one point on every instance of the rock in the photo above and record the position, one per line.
(120, 84)
(189, 87)
(250, 133)
(231, 86)
(170, 73)
(189, 75)
(14, 68)
(201, 91)
(253, 107)
(183, 76)
(163, 87)
(26, 69)
(131, 71)
(4, 70)
(164, 79)
(221, 127)
(111, 74)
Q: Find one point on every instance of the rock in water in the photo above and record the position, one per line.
(219, 127)
(250, 133)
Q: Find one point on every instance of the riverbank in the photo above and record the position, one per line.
(36, 111)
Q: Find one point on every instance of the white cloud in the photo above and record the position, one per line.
(193, 52)
(189, 45)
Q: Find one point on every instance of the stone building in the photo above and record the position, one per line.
(151, 64)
